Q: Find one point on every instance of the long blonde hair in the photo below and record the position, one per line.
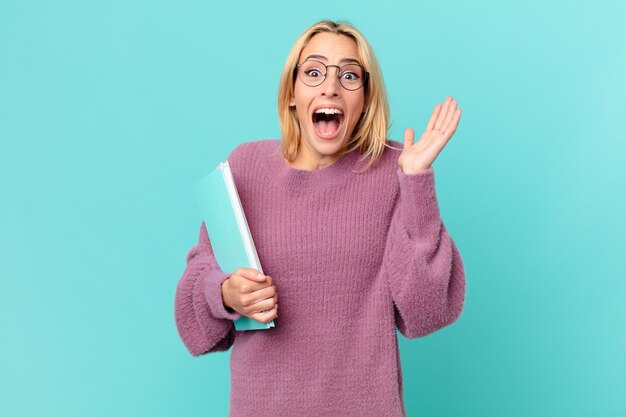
(370, 132)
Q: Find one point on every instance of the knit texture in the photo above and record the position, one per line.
(352, 256)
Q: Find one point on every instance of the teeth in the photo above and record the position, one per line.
(328, 111)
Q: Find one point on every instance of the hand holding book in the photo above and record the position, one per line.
(233, 246)
(251, 294)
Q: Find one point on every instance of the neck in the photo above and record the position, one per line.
(310, 161)
(311, 164)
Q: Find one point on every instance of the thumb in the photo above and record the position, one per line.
(253, 274)
(409, 135)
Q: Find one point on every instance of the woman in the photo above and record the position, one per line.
(352, 253)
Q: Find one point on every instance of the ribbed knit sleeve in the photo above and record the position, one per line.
(423, 265)
(203, 322)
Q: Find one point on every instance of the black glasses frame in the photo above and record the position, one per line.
(366, 75)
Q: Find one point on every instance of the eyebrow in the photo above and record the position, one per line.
(351, 60)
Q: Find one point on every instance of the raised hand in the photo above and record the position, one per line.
(418, 157)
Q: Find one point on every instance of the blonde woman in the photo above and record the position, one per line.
(347, 227)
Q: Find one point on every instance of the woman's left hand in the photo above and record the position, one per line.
(418, 157)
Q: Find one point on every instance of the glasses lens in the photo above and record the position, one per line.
(351, 76)
(312, 72)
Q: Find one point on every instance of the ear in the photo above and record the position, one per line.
(292, 102)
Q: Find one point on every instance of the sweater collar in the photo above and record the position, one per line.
(341, 168)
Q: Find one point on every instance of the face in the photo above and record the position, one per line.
(323, 135)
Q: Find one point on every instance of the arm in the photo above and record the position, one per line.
(423, 265)
(204, 324)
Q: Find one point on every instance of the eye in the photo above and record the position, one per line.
(313, 73)
(350, 75)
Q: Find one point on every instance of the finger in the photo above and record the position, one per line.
(409, 136)
(449, 115)
(266, 316)
(264, 305)
(443, 113)
(251, 274)
(454, 122)
(258, 301)
(263, 294)
(249, 288)
(433, 117)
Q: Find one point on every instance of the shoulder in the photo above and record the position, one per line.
(387, 167)
(388, 160)
(248, 158)
(394, 149)
(248, 150)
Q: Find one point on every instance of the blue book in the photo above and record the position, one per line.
(228, 229)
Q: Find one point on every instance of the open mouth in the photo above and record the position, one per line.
(327, 122)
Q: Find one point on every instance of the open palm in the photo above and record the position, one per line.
(418, 157)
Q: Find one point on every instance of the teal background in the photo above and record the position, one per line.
(110, 111)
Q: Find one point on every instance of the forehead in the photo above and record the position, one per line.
(331, 46)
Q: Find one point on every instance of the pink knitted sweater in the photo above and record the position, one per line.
(352, 256)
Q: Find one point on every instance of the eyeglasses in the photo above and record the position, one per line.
(351, 76)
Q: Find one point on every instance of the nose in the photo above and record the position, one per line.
(331, 85)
